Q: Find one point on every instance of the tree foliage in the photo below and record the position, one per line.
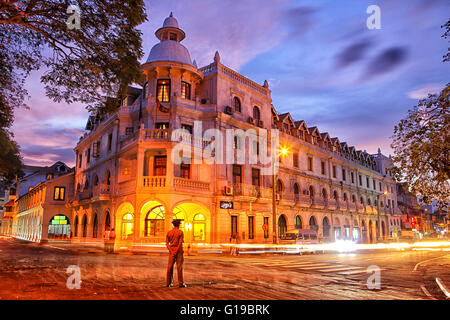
(421, 144)
(93, 65)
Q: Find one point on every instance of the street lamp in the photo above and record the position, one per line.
(284, 151)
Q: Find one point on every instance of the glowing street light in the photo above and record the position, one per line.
(284, 151)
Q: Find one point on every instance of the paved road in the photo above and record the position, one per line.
(29, 271)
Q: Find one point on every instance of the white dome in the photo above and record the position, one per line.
(171, 22)
(170, 51)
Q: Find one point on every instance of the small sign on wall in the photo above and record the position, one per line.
(226, 204)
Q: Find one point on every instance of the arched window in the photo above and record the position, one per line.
(86, 183)
(279, 186)
(296, 189)
(361, 200)
(95, 180)
(127, 226)
(369, 202)
(199, 227)
(335, 195)
(326, 227)
(298, 222)
(95, 227)
(108, 178)
(154, 222)
(324, 194)
(179, 214)
(311, 191)
(345, 196)
(256, 113)
(353, 198)
(84, 226)
(237, 104)
(282, 226)
(107, 221)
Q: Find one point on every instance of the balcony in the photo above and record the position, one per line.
(84, 195)
(190, 185)
(101, 192)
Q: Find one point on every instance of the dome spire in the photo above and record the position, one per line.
(217, 57)
(170, 30)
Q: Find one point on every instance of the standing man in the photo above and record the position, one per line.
(174, 243)
(112, 238)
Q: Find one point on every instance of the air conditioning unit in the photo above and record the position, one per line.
(250, 120)
(228, 110)
(278, 197)
(228, 191)
(260, 123)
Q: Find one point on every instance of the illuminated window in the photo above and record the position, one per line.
(237, 104)
(298, 222)
(163, 90)
(127, 226)
(154, 222)
(185, 90)
(59, 193)
(295, 159)
(185, 170)
(199, 227)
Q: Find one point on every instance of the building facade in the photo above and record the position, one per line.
(128, 174)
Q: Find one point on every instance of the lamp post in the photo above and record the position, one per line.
(284, 152)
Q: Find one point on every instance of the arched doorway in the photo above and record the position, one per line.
(313, 224)
(95, 227)
(199, 227)
(127, 226)
(370, 231)
(107, 221)
(84, 226)
(298, 222)
(75, 227)
(195, 222)
(59, 227)
(326, 228)
(282, 226)
(337, 229)
(154, 222)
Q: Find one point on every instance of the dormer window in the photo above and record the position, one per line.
(173, 36)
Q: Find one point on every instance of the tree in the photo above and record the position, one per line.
(421, 144)
(93, 64)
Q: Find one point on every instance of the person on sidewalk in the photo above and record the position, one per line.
(112, 238)
(233, 241)
(106, 240)
(174, 243)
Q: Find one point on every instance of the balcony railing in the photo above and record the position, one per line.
(181, 183)
(154, 182)
(101, 190)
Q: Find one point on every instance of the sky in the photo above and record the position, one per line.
(322, 62)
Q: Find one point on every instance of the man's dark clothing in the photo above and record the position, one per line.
(174, 240)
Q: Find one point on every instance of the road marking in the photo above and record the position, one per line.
(317, 266)
(427, 293)
(417, 265)
(443, 287)
(57, 247)
(340, 269)
(354, 272)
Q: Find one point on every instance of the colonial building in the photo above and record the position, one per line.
(127, 176)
